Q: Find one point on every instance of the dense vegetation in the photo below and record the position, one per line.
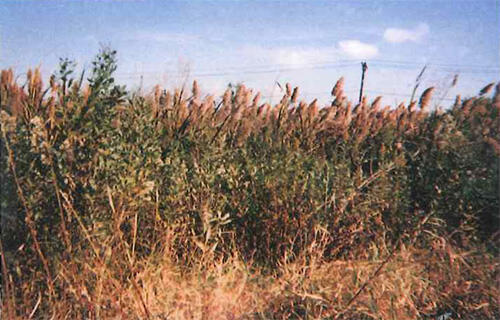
(172, 205)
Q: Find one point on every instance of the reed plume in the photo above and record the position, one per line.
(376, 102)
(288, 89)
(458, 101)
(196, 89)
(426, 97)
(338, 89)
(486, 89)
(256, 100)
(312, 110)
(295, 95)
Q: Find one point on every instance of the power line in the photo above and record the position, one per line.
(277, 68)
(399, 94)
(438, 69)
(322, 66)
(436, 64)
(217, 74)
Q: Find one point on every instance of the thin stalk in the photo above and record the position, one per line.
(417, 83)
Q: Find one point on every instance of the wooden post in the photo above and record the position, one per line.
(364, 67)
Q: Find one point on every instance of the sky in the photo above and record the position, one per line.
(309, 44)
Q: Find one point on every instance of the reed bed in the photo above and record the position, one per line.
(179, 205)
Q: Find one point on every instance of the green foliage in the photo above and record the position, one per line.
(104, 91)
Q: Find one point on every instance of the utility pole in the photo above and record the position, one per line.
(364, 67)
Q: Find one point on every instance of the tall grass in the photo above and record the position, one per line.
(173, 205)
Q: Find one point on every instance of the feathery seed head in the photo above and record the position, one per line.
(458, 100)
(486, 89)
(426, 97)
(207, 104)
(338, 89)
(240, 94)
(496, 99)
(401, 106)
(364, 101)
(301, 109)
(376, 102)
(295, 94)
(256, 100)
(156, 92)
(261, 109)
(312, 110)
(6, 77)
(236, 113)
(247, 98)
(411, 106)
(288, 89)
(196, 89)
(226, 99)
(177, 96)
(53, 83)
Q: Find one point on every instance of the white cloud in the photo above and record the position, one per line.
(302, 56)
(357, 49)
(396, 35)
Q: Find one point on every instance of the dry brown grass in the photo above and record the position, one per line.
(413, 284)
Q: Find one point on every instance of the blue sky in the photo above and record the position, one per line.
(307, 43)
